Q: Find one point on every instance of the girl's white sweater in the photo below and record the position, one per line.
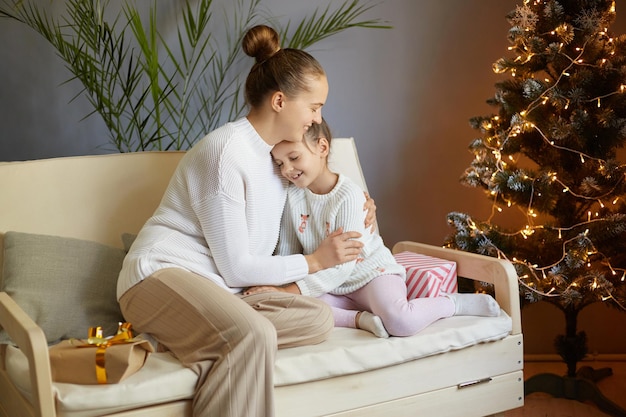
(310, 217)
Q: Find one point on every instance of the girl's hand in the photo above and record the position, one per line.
(290, 288)
(370, 207)
(336, 249)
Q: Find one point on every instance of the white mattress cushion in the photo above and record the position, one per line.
(162, 379)
(350, 351)
(347, 351)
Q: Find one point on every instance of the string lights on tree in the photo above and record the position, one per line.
(552, 153)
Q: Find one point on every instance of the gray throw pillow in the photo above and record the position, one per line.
(127, 240)
(65, 285)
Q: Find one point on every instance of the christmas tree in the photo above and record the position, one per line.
(551, 152)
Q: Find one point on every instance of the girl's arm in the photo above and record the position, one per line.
(348, 215)
(348, 203)
(289, 244)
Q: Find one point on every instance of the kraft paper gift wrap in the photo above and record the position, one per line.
(427, 276)
(97, 360)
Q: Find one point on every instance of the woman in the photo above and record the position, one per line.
(214, 233)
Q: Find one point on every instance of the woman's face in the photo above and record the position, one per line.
(304, 109)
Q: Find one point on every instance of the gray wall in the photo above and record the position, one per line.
(405, 94)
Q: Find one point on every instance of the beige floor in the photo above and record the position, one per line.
(544, 405)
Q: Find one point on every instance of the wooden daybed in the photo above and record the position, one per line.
(461, 366)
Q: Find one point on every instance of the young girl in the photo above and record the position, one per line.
(370, 292)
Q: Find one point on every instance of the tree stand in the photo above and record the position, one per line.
(576, 385)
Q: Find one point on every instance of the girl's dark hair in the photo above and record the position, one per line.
(275, 69)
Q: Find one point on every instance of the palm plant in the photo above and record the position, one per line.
(157, 94)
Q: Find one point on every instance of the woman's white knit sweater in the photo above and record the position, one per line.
(219, 217)
(310, 217)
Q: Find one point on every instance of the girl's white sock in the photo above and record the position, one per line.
(470, 304)
(371, 323)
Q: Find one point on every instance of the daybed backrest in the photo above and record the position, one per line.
(88, 197)
(345, 159)
(100, 197)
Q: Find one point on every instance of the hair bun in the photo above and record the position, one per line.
(261, 42)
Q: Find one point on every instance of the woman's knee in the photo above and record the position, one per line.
(263, 331)
(317, 320)
(249, 324)
(298, 320)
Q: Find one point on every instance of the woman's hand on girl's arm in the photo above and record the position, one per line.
(290, 288)
(370, 207)
(338, 248)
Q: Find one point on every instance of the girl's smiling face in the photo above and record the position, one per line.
(299, 164)
(304, 163)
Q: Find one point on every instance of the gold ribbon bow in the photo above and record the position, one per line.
(96, 339)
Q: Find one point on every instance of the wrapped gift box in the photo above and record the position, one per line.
(99, 360)
(427, 276)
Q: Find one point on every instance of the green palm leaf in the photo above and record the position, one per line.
(155, 94)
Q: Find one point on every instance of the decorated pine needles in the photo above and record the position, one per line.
(551, 154)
